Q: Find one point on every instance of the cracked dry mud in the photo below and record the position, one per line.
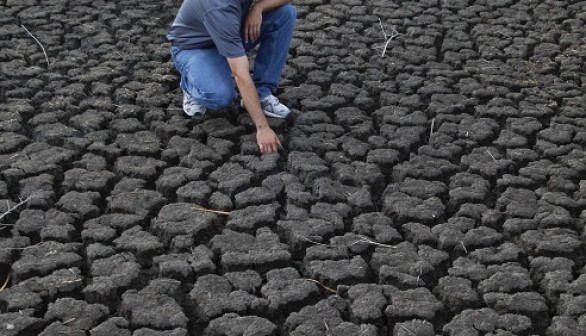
(438, 190)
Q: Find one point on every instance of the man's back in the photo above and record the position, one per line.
(207, 23)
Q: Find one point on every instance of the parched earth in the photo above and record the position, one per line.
(432, 183)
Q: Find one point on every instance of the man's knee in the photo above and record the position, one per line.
(289, 12)
(221, 98)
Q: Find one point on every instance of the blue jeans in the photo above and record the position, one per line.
(206, 75)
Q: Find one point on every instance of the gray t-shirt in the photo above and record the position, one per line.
(208, 23)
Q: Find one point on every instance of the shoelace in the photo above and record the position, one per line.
(272, 99)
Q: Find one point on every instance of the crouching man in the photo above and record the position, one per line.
(209, 40)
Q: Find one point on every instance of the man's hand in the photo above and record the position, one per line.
(267, 140)
(252, 24)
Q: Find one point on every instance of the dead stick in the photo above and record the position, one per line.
(5, 282)
(217, 212)
(39, 43)
(16, 206)
(323, 286)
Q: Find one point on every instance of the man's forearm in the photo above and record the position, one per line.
(267, 5)
(249, 95)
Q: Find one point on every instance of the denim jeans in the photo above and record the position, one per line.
(206, 75)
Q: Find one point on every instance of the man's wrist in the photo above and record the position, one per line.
(262, 125)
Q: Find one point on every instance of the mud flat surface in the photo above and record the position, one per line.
(438, 189)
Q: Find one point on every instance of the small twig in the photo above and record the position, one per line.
(464, 246)
(69, 321)
(39, 43)
(408, 330)
(5, 282)
(326, 325)
(388, 38)
(489, 153)
(323, 286)
(217, 212)
(20, 248)
(431, 130)
(16, 206)
(309, 240)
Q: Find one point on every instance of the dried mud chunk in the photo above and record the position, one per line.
(359, 174)
(44, 258)
(251, 218)
(17, 298)
(141, 202)
(197, 192)
(456, 293)
(417, 233)
(174, 266)
(406, 265)
(240, 251)
(526, 303)
(139, 143)
(20, 323)
(253, 196)
(307, 166)
(140, 243)
(139, 166)
(80, 179)
(234, 325)
(571, 305)
(113, 326)
(367, 303)
(486, 320)
(404, 139)
(154, 306)
(60, 329)
(182, 219)
(507, 252)
(222, 128)
(566, 326)
(415, 303)
(214, 296)
(33, 221)
(39, 190)
(175, 177)
(78, 314)
(424, 167)
(339, 272)
(54, 133)
(506, 282)
(110, 276)
(407, 208)
(469, 269)
(200, 152)
(11, 142)
(468, 188)
(232, 178)
(413, 327)
(286, 291)
(487, 162)
(119, 222)
(298, 231)
(376, 225)
(202, 260)
(481, 236)
(316, 319)
(551, 241)
(82, 205)
(151, 332)
(59, 283)
(518, 202)
(248, 281)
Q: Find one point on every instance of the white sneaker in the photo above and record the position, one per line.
(273, 108)
(191, 107)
